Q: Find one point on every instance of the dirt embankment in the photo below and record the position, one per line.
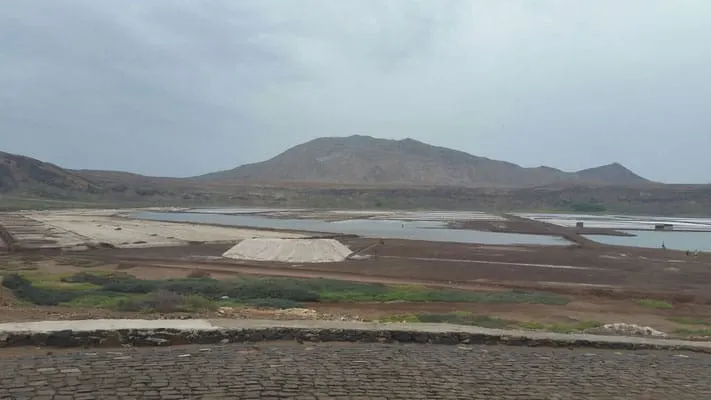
(516, 224)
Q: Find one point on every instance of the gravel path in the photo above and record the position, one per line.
(279, 370)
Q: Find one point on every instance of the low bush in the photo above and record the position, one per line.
(131, 285)
(44, 297)
(207, 287)
(250, 289)
(15, 281)
(196, 302)
(163, 301)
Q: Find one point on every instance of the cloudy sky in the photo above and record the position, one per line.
(181, 87)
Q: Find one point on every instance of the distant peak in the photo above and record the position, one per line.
(614, 165)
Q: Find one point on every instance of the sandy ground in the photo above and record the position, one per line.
(72, 229)
(289, 250)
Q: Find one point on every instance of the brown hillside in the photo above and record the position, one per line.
(25, 174)
(364, 160)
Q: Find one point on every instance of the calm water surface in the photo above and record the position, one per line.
(654, 239)
(389, 229)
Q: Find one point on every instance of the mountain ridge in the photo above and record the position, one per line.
(359, 159)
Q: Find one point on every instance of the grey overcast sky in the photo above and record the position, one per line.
(180, 87)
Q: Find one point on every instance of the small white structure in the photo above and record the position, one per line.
(289, 250)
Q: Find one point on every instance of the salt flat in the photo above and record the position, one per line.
(73, 228)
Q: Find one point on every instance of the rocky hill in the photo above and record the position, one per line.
(29, 183)
(29, 175)
(366, 160)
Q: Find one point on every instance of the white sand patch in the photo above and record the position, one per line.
(289, 250)
(66, 229)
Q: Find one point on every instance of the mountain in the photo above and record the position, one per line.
(25, 174)
(364, 160)
(613, 174)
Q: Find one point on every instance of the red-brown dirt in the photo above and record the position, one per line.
(622, 274)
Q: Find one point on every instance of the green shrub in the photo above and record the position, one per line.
(196, 302)
(207, 287)
(163, 301)
(15, 281)
(249, 289)
(129, 304)
(656, 304)
(281, 304)
(44, 297)
(99, 299)
(131, 285)
(23, 289)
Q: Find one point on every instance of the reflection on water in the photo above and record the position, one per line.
(415, 230)
(654, 239)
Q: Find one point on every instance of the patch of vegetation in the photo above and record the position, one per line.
(119, 290)
(535, 326)
(348, 292)
(655, 304)
(15, 281)
(457, 318)
(105, 300)
(67, 286)
(579, 326)
(196, 302)
(161, 301)
(689, 321)
(693, 332)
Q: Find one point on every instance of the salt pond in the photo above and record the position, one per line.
(622, 222)
(435, 231)
(654, 239)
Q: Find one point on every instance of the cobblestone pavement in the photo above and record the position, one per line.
(278, 370)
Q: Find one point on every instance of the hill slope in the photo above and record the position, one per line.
(28, 175)
(366, 160)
